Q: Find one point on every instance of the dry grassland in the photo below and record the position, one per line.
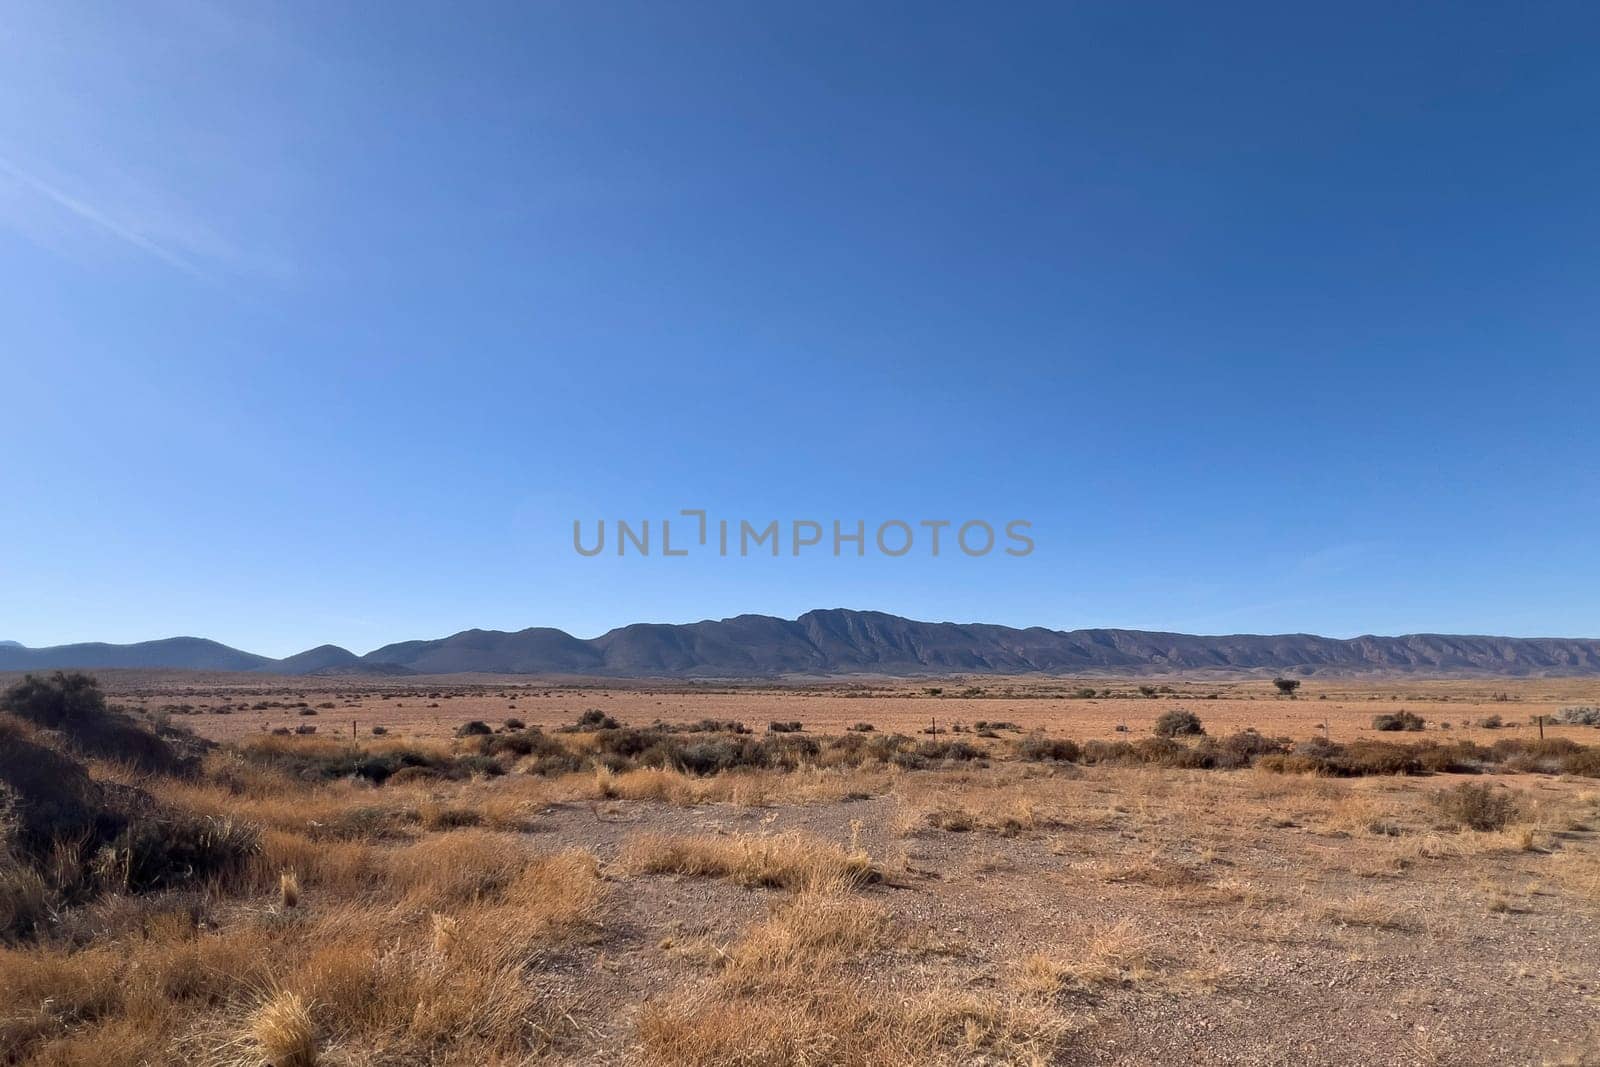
(574, 904)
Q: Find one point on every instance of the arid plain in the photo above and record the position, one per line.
(433, 707)
(520, 870)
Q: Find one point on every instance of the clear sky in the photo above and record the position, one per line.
(323, 322)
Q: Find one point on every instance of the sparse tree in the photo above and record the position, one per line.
(1287, 686)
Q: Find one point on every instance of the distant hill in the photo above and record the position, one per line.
(182, 653)
(840, 641)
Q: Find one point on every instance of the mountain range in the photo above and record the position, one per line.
(839, 642)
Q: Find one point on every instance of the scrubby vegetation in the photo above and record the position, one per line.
(1400, 720)
(1476, 807)
(1179, 722)
(791, 896)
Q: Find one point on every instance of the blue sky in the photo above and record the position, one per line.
(323, 325)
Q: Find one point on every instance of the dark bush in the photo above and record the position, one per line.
(470, 765)
(73, 705)
(1292, 764)
(47, 796)
(1400, 720)
(1179, 722)
(164, 849)
(1461, 757)
(1374, 757)
(863, 727)
(1107, 752)
(791, 727)
(1038, 747)
(959, 751)
(514, 724)
(475, 728)
(627, 742)
(554, 764)
(789, 753)
(714, 726)
(1244, 747)
(1165, 752)
(522, 743)
(595, 719)
(1585, 763)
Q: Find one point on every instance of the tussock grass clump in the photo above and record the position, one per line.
(791, 860)
(847, 1024)
(283, 1033)
(816, 930)
(1110, 954)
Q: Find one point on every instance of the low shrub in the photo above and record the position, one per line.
(595, 719)
(73, 705)
(1400, 720)
(1374, 757)
(791, 727)
(1242, 748)
(959, 751)
(1179, 722)
(1476, 807)
(1059, 749)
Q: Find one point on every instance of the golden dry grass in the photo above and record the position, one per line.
(475, 921)
(786, 861)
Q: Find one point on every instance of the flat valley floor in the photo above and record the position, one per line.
(434, 707)
(987, 910)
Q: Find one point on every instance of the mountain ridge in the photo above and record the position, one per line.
(842, 641)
